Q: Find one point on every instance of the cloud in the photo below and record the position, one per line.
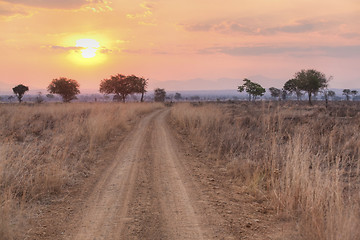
(248, 27)
(102, 50)
(145, 16)
(65, 49)
(95, 5)
(329, 51)
(9, 11)
(301, 26)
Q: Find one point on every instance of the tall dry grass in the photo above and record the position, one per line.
(305, 158)
(46, 148)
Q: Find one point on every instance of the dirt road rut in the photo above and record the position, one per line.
(144, 194)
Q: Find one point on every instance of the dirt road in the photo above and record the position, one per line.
(153, 190)
(142, 195)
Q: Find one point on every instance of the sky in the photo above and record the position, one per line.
(195, 44)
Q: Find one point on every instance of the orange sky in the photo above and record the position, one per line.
(173, 40)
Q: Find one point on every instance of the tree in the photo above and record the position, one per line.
(292, 86)
(347, 93)
(178, 96)
(49, 95)
(253, 89)
(120, 85)
(66, 88)
(10, 98)
(275, 92)
(331, 94)
(354, 93)
(39, 98)
(140, 85)
(19, 91)
(159, 95)
(311, 81)
(284, 94)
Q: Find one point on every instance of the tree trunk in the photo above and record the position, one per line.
(142, 97)
(309, 93)
(123, 98)
(326, 101)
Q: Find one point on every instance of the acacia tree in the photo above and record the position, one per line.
(253, 89)
(292, 86)
(19, 91)
(66, 88)
(178, 96)
(275, 92)
(311, 81)
(159, 95)
(331, 94)
(119, 84)
(347, 93)
(140, 85)
(354, 93)
(122, 86)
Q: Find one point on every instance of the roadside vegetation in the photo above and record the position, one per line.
(303, 159)
(47, 148)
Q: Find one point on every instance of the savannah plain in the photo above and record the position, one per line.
(261, 170)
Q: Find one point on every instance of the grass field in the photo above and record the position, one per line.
(302, 159)
(305, 159)
(46, 148)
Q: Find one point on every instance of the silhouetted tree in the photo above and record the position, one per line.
(140, 85)
(292, 86)
(284, 94)
(178, 96)
(327, 93)
(39, 98)
(19, 91)
(311, 81)
(66, 88)
(347, 93)
(331, 94)
(275, 92)
(253, 89)
(50, 96)
(120, 85)
(159, 95)
(10, 98)
(354, 93)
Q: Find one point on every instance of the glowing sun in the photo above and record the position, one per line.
(88, 47)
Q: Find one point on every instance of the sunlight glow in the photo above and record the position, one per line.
(90, 46)
(87, 51)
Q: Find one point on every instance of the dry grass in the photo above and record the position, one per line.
(46, 148)
(306, 159)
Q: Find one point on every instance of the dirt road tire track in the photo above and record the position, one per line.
(105, 210)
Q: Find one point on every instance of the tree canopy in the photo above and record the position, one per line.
(19, 91)
(252, 88)
(310, 81)
(178, 96)
(123, 86)
(159, 95)
(275, 92)
(292, 86)
(66, 88)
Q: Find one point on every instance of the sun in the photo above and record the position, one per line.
(88, 47)
(87, 50)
